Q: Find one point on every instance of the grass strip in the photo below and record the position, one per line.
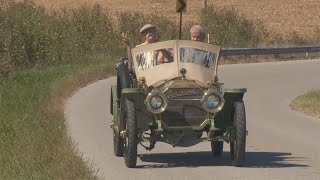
(33, 135)
(308, 103)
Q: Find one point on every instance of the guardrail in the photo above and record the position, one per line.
(265, 51)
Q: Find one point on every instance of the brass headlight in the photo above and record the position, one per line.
(156, 102)
(212, 101)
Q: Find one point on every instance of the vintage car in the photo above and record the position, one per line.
(169, 91)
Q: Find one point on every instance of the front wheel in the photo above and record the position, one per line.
(131, 141)
(238, 147)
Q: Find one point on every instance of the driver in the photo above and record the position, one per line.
(197, 56)
(149, 32)
(152, 58)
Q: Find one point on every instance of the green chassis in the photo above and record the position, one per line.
(146, 119)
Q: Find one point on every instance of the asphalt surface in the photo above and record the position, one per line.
(282, 144)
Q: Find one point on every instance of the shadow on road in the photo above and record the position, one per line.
(198, 159)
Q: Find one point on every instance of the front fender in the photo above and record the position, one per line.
(224, 118)
(138, 96)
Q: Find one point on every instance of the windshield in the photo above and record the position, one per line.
(197, 56)
(164, 60)
(153, 58)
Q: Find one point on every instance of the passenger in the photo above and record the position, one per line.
(197, 33)
(197, 56)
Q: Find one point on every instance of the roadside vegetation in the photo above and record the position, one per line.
(30, 37)
(34, 142)
(308, 103)
(45, 56)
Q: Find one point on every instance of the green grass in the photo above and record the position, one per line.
(228, 29)
(31, 37)
(33, 137)
(308, 103)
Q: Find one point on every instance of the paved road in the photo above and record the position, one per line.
(282, 144)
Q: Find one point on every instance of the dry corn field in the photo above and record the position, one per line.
(281, 16)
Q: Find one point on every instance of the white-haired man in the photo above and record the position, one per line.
(197, 56)
(197, 33)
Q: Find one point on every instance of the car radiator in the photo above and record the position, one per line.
(184, 107)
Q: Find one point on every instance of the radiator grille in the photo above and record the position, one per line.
(184, 107)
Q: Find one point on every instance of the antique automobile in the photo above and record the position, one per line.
(169, 91)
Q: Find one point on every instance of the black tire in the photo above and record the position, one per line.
(123, 75)
(118, 86)
(111, 102)
(131, 142)
(238, 147)
(122, 82)
(217, 146)
(118, 146)
(122, 78)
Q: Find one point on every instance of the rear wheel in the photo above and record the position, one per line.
(122, 82)
(118, 148)
(111, 102)
(131, 141)
(122, 78)
(238, 147)
(217, 146)
(117, 139)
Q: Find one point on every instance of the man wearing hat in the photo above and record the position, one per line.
(150, 59)
(149, 32)
(146, 59)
